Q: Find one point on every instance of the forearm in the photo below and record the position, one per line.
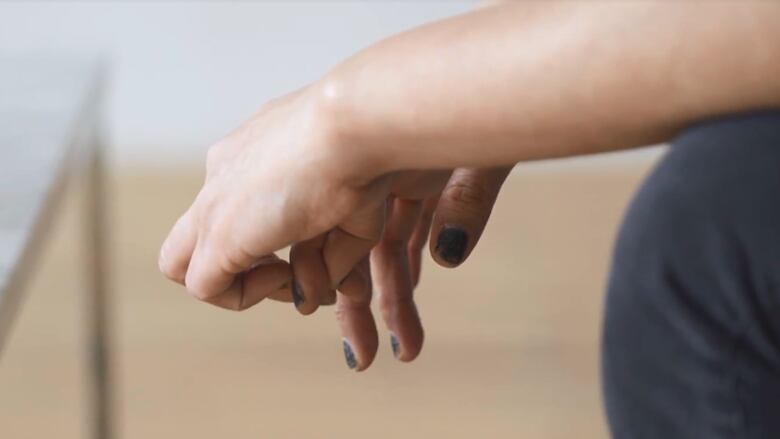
(535, 80)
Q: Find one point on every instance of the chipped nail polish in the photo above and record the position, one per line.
(395, 345)
(451, 244)
(349, 355)
(297, 295)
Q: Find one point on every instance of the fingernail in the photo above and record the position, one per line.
(349, 356)
(396, 346)
(297, 294)
(451, 244)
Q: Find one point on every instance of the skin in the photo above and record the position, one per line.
(418, 132)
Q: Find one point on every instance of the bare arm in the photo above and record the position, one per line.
(315, 169)
(534, 80)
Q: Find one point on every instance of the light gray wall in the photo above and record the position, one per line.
(184, 73)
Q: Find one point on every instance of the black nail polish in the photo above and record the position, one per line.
(396, 346)
(349, 356)
(451, 244)
(297, 294)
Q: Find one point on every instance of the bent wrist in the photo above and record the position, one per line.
(341, 122)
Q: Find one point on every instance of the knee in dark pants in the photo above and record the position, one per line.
(690, 347)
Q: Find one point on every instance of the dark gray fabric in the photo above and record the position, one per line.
(691, 342)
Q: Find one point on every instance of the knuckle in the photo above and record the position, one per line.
(214, 153)
(341, 314)
(238, 304)
(232, 258)
(171, 267)
(393, 244)
(171, 272)
(198, 291)
(303, 220)
(215, 158)
(469, 193)
(163, 264)
(204, 206)
(391, 301)
(363, 297)
(230, 255)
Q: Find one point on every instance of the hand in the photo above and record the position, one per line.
(456, 219)
(278, 180)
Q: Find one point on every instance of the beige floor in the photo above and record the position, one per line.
(511, 348)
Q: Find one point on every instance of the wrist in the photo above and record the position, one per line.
(337, 113)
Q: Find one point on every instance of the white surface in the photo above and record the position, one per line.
(185, 73)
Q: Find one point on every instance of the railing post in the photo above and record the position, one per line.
(98, 316)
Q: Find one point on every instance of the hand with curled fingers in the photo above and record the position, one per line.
(283, 178)
(454, 218)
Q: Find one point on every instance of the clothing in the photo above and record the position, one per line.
(691, 341)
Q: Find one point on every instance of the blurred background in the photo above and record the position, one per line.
(511, 337)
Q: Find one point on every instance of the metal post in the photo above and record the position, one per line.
(98, 305)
